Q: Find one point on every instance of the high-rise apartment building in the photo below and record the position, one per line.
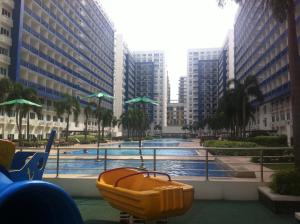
(6, 25)
(182, 91)
(202, 83)
(124, 78)
(144, 81)
(145, 61)
(261, 50)
(60, 47)
(175, 114)
(226, 64)
(168, 90)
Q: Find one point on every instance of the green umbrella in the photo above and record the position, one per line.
(99, 95)
(20, 101)
(142, 99)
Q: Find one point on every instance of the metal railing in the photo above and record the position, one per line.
(240, 162)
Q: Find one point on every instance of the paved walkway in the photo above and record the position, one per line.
(97, 211)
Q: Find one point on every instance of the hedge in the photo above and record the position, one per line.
(286, 182)
(269, 141)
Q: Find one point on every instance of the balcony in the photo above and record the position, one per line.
(7, 21)
(41, 123)
(5, 40)
(4, 59)
(9, 3)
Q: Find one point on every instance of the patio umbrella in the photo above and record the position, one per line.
(100, 96)
(20, 102)
(142, 100)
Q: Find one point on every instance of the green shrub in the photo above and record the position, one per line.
(276, 156)
(231, 144)
(89, 140)
(286, 182)
(34, 144)
(127, 139)
(148, 138)
(269, 141)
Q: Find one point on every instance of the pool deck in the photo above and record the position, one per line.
(98, 211)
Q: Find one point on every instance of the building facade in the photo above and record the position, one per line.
(201, 83)
(61, 47)
(144, 80)
(226, 64)
(157, 60)
(175, 114)
(124, 76)
(261, 50)
(207, 89)
(6, 25)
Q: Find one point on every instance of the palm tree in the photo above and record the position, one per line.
(248, 89)
(6, 87)
(235, 109)
(30, 94)
(88, 111)
(20, 92)
(106, 120)
(69, 105)
(284, 10)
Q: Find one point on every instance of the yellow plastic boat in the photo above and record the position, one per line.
(135, 192)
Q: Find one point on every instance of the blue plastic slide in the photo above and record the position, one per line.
(23, 168)
(35, 202)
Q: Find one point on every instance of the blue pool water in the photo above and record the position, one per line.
(172, 167)
(151, 143)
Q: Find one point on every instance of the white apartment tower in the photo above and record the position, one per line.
(198, 58)
(157, 58)
(6, 25)
(226, 64)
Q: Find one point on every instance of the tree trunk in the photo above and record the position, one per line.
(28, 127)
(294, 68)
(85, 132)
(244, 118)
(102, 136)
(67, 128)
(98, 137)
(20, 129)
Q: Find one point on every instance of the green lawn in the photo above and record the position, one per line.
(97, 211)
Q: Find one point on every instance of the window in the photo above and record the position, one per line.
(32, 115)
(6, 13)
(4, 51)
(4, 31)
(40, 117)
(3, 71)
(48, 118)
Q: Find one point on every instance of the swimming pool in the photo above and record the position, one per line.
(172, 167)
(124, 151)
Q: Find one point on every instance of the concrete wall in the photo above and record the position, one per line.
(204, 190)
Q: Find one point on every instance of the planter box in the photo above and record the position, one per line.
(280, 204)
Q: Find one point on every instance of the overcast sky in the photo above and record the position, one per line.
(173, 26)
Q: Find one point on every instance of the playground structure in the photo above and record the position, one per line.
(133, 191)
(26, 199)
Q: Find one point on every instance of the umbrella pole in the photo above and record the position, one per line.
(99, 120)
